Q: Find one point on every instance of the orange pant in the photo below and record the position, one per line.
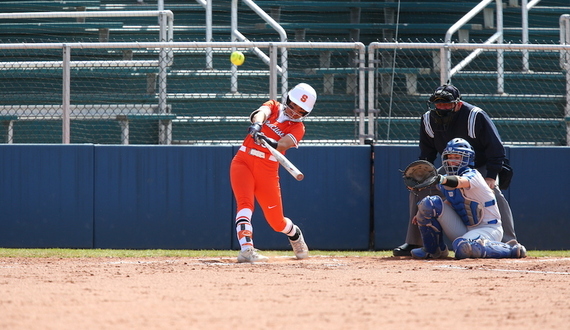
(253, 177)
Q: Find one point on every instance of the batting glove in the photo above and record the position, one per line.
(260, 136)
(254, 129)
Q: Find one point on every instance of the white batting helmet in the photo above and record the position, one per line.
(303, 95)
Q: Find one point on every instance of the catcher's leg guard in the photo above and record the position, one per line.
(468, 248)
(518, 250)
(482, 248)
(429, 209)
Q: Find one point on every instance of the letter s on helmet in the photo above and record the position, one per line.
(303, 95)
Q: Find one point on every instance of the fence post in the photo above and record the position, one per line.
(65, 105)
(445, 64)
(524, 10)
(500, 52)
(164, 130)
(564, 22)
(273, 72)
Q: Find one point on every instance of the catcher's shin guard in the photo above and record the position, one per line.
(429, 209)
(468, 248)
(482, 248)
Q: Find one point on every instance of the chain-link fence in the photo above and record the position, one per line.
(529, 107)
(108, 74)
(163, 93)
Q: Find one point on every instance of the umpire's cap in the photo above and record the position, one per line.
(445, 94)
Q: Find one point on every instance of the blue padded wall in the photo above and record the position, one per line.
(46, 196)
(331, 204)
(168, 197)
(391, 214)
(179, 197)
(539, 196)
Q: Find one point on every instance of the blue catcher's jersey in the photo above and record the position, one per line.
(475, 204)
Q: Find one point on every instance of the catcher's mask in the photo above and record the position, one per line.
(459, 147)
(447, 96)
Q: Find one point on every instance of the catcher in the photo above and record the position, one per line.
(448, 116)
(469, 215)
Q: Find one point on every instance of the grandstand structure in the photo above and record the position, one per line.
(193, 95)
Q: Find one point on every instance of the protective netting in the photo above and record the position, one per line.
(528, 106)
(193, 95)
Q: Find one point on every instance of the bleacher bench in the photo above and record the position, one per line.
(124, 113)
(408, 27)
(8, 122)
(67, 28)
(52, 5)
(319, 5)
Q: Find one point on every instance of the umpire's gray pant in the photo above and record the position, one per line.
(413, 235)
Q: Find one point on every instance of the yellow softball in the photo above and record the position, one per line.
(237, 58)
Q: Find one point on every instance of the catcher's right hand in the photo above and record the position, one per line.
(420, 174)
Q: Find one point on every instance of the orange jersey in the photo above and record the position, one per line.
(277, 126)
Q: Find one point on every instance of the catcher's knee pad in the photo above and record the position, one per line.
(469, 248)
(428, 208)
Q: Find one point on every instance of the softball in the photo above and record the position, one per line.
(237, 58)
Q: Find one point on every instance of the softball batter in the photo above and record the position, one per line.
(254, 172)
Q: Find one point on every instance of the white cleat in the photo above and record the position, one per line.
(250, 255)
(299, 246)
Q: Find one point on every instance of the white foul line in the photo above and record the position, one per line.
(504, 270)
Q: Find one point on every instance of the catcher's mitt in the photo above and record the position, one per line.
(419, 175)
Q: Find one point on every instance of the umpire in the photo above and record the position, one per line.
(447, 118)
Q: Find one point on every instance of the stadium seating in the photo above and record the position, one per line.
(204, 107)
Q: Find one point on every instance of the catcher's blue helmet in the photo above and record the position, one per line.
(460, 147)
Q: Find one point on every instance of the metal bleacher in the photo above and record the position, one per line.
(201, 107)
(530, 109)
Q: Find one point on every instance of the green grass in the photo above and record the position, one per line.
(109, 253)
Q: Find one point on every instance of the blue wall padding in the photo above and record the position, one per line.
(46, 196)
(331, 204)
(539, 196)
(169, 197)
(391, 213)
(179, 197)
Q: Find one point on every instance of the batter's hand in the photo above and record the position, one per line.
(270, 141)
(254, 129)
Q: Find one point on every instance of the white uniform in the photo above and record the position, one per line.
(471, 212)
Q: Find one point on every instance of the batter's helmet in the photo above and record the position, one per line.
(303, 95)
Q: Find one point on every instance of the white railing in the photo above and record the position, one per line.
(526, 6)
(565, 65)
(236, 35)
(207, 5)
(446, 71)
(166, 28)
(166, 17)
(271, 47)
(564, 49)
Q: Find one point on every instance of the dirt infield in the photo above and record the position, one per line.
(321, 292)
